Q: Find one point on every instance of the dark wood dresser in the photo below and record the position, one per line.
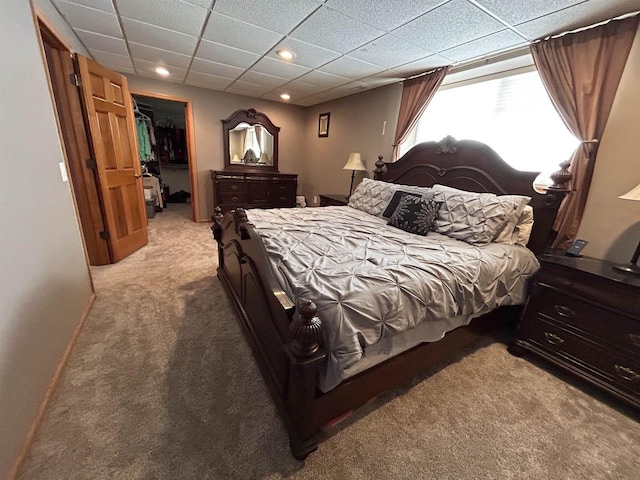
(337, 200)
(584, 316)
(232, 189)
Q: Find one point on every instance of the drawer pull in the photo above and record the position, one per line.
(234, 187)
(553, 339)
(283, 198)
(635, 339)
(627, 373)
(235, 199)
(282, 187)
(564, 311)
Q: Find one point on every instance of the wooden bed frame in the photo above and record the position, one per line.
(287, 345)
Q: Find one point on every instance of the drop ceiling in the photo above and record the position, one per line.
(341, 46)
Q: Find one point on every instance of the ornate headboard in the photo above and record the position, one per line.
(475, 167)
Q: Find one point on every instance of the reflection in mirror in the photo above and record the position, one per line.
(251, 145)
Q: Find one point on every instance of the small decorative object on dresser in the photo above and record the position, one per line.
(336, 200)
(584, 316)
(632, 266)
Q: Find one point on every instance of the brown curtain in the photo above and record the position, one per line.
(416, 95)
(581, 72)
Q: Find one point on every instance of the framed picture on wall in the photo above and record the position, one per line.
(323, 124)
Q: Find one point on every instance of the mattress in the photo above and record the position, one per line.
(372, 282)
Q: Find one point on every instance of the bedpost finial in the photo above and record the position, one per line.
(381, 168)
(562, 177)
(306, 329)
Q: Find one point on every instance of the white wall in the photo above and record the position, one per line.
(44, 284)
(611, 225)
(62, 28)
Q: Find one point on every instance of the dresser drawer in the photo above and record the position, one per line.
(283, 188)
(235, 199)
(603, 325)
(619, 368)
(232, 187)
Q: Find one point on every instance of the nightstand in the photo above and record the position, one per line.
(336, 200)
(584, 316)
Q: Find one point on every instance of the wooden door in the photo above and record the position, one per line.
(113, 135)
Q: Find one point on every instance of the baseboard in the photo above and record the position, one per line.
(26, 445)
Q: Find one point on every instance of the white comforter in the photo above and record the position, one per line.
(370, 280)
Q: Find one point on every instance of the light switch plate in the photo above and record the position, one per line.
(63, 172)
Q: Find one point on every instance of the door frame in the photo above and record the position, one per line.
(42, 25)
(191, 144)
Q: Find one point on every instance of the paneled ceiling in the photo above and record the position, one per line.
(341, 46)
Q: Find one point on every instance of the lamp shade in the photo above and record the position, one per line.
(354, 162)
(236, 158)
(633, 194)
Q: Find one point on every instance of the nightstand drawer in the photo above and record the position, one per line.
(603, 325)
(620, 369)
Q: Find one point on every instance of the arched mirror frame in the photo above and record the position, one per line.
(251, 117)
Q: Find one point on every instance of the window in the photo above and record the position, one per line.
(513, 115)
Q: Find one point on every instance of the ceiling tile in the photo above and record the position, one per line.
(227, 55)
(208, 81)
(277, 68)
(112, 60)
(90, 19)
(275, 96)
(162, 57)
(215, 68)
(577, 16)
(389, 51)
(335, 31)
(104, 5)
(247, 88)
(383, 15)
(148, 69)
(277, 15)
(263, 79)
(518, 11)
(103, 42)
(307, 55)
(145, 34)
(484, 46)
(422, 65)
(201, 3)
(301, 88)
(348, 67)
(235, 33)
(451, 24)
(381, 79)
(172, 14)
(322, 79)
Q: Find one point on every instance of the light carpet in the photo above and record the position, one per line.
(162, 385)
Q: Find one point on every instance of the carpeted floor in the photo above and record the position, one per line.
(162, 385)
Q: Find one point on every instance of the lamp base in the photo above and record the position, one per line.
(628, 267)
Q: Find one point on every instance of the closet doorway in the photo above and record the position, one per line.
(164, 125)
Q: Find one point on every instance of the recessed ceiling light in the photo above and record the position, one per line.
(285, 96)
(162, 71)
(286, 54)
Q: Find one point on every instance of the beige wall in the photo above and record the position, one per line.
(45, 284)
(209, 107)
(355, 126)
(611, 225)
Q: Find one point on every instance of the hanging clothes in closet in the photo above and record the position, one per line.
(145, 133)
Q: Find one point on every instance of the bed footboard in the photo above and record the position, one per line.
(286, 344)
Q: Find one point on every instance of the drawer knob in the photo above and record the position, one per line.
(235, 199)
(282, 187)
(627, 373)
(564, 311)
(635, 339)
(234, 187)
(553, 339)
(283, 198)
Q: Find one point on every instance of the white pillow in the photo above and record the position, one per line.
(373, 196)
(475, 218)
(524, 226)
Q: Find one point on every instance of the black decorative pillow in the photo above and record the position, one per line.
(395, 200)
(415, 214)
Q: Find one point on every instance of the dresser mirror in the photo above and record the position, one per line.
(250, 142)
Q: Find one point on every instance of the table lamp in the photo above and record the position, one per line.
(354, 163)
(632, 266)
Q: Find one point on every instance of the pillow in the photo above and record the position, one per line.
(524, 226)
(475, 218)
(415, 214)
(508, 233)
(395, 200)
(373, 196)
